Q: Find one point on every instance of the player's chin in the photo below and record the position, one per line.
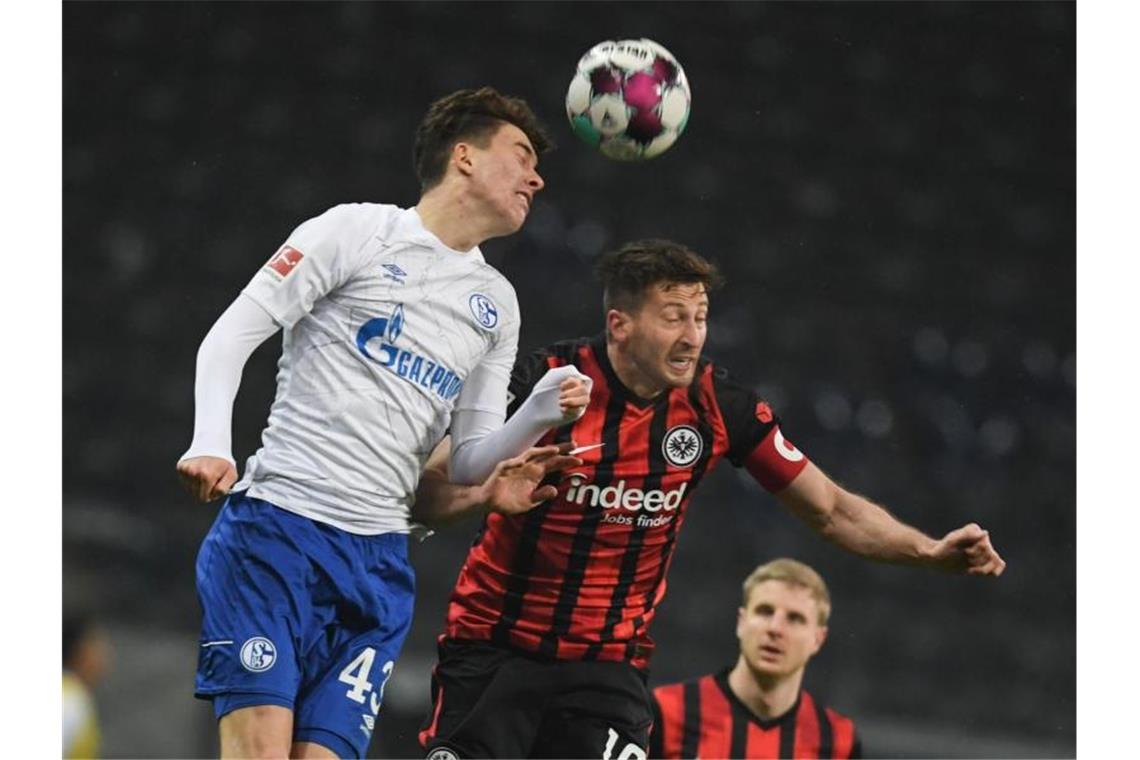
(510, 221)
(516, 216)
(768, 666)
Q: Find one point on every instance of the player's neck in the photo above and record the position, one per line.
(446, 214)
(767, 696)
(631, 377)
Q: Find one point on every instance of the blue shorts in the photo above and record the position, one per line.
(303, 615)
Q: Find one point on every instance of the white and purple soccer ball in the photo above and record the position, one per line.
(629, 99)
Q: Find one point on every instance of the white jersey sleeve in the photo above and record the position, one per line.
(319, 256)
(482, 405)
(224, 351)
(480, 441)
(486, 386)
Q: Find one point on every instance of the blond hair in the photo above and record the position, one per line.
(795, 573)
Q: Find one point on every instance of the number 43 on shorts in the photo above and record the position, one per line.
(629, 752)
(356, 674)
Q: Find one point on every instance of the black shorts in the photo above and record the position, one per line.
(491, 702)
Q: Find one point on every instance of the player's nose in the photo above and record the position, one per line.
(535, 181)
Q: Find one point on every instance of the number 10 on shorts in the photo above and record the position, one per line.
(356, 674)
(629, 752)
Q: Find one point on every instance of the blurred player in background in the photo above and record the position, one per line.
(395, 328)
(546, 644)
(86, 660)
(758, 709)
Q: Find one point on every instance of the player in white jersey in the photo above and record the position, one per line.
(395, 331)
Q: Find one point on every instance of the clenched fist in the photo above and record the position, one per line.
(967, 550)
(574, 396)
(207, 478)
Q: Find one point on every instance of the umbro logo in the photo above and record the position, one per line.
(394, 273)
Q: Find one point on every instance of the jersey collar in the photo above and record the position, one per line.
(410, 228)
(743, 710)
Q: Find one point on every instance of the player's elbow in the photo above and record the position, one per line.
(423, 514)
(463, 466)
(429, 506)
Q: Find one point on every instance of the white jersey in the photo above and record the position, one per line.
(383, 325)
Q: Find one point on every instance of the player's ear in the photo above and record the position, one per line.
(618, 324)
(740, 613)
(461, 158)
(820, 637)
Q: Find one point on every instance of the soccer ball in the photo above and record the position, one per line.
(629, 99)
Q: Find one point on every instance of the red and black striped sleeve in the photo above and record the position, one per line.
(756, 441)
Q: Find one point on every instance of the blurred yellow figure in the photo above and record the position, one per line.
(86, 657)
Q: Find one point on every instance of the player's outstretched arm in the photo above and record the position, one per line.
(513, 487)
(867, 529)
(481, 437)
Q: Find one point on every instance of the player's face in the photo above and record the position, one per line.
(93, 656)
(779, 630)
(665, 337)
(505, 178)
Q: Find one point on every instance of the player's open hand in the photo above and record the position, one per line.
(207, 478)
(513, 486)
(967, 550)
(574, 396)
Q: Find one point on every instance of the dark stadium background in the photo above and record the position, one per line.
(890, 189)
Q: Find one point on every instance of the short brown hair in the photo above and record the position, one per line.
(795, 573)
(627, 273)
(473, 115)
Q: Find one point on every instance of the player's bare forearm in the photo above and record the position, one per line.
(867, 529)
(440, 503)
(863, 527)
(515, 486)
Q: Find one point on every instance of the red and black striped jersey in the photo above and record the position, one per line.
(580, 576)
(704, 718)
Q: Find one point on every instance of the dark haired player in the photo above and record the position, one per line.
(395, 328)
(758, 709)
(546, 644)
